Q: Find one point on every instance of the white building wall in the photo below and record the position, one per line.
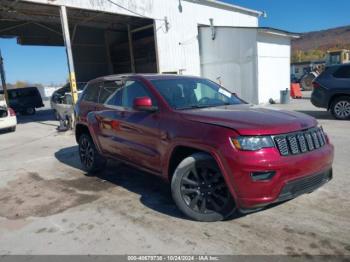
(178, 48)
(231, 57)
(273, 66)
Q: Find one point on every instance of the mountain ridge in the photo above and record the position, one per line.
(314, 45)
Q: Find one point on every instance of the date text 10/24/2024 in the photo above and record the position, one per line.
(172, 258)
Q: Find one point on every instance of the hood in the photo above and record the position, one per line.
(252, 120)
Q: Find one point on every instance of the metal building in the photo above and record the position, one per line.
(165, 36)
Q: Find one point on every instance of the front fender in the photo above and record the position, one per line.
(207, 149)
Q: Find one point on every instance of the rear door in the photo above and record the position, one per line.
(108, 117)
(89, 100)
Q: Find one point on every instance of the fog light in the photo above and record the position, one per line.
(263, 175)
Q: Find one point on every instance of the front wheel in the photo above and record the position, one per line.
(90, 158)
(340, 108)
(200, 191)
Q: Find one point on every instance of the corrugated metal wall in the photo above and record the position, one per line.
(177, 48)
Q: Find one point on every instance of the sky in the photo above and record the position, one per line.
(48, 64)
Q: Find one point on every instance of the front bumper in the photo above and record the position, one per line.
(296, 188)
(294, 175)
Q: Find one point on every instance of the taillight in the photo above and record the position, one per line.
(12, 112)
(316, 85)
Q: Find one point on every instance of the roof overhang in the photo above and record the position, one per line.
(278, 32)
(223, 5)
(264, 30)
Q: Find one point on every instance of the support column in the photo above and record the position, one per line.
(132, 59)
(67, 42)
(108, 53)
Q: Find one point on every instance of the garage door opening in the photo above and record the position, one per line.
(102, 43)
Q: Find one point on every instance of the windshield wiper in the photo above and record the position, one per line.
(189, 107)
(202, 106)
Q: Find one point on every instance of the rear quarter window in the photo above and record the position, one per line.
(342, 72)
(91, 93)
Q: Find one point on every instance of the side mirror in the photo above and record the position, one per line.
(144, 104)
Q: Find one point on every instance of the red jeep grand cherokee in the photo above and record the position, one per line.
(219, 153)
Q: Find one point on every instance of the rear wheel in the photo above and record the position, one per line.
(90, 158)
(199, 189)
(340, 107)
(13, 129)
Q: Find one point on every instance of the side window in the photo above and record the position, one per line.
(342, 72)
(91, 93)
(107, 90)
(114, 98)
(132, 90)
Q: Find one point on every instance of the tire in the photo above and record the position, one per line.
(90, 158)
(13, 129)
(30, 111)
(340, 108)
(199, 189)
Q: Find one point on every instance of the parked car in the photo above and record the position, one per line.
(8, 120)
(331, 90)
(61, 100)
(25, 100)
(219, 154)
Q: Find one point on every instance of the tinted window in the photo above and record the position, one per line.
(107, 91)
(91, 92)
(132, 90)
(342, 72)
(24, 92)
(115, 98)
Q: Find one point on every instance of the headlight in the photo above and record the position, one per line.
(252, 143)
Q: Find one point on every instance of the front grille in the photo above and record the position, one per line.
(300, 142)
(304, 185)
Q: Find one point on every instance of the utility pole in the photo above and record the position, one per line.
(3, 79)
(67, 41)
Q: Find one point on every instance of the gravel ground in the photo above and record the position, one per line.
(49, 206)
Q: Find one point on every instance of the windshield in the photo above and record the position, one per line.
(186, 93)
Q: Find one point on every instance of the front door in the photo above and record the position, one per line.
(127, 133)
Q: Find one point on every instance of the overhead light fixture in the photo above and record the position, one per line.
(166, 23)
(213, 33)
(180, 6)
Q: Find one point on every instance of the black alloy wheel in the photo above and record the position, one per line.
(90, 158)
(200, 190)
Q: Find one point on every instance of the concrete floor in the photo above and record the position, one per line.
(49, 206)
